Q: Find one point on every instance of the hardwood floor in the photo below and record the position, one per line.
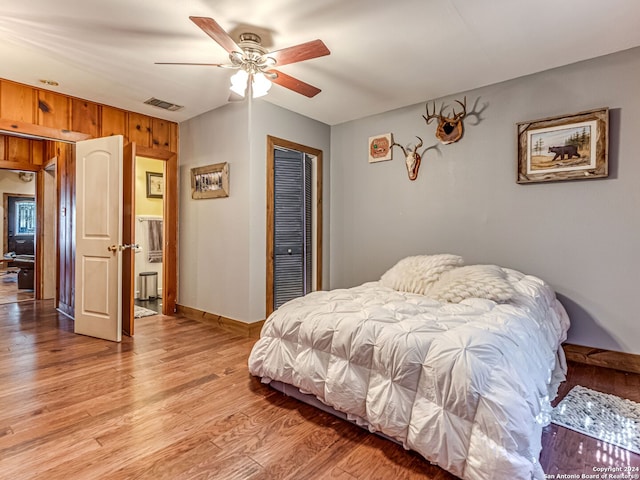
(9, 292)
(176, 402)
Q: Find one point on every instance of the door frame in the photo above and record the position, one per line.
(272, 143)
(47, 281)
(170, 250)
(169, 234)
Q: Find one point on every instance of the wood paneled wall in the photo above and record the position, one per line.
(21, 153)
(43, 112)
(22, 103)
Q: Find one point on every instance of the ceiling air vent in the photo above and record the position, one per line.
(162, 104)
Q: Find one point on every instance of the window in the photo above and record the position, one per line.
(25, 217)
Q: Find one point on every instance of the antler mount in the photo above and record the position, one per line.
(450, 129)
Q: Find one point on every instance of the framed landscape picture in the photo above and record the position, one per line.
(564, 148)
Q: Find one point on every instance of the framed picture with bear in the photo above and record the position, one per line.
(564, 148)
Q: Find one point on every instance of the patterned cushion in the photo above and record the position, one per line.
(416, 274)
(473, 281)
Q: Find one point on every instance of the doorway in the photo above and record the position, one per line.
(52, 164)
(148, 234)
(294, 221)
(18, 236)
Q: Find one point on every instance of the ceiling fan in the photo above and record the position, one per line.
(255, 64)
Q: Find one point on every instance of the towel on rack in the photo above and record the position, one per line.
(154, 230)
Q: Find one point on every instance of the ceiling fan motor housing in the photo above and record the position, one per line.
(253, 58)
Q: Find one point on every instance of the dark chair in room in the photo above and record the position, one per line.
(25, 265)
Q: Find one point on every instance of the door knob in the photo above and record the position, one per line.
(115, 248)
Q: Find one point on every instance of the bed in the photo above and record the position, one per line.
(457, 362)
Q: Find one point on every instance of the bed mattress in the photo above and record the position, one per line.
(466, 385)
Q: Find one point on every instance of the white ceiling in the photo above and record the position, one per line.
(385, 54)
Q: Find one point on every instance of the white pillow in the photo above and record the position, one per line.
(473, 281)
(416, 274)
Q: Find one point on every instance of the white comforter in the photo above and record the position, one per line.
(466, 385)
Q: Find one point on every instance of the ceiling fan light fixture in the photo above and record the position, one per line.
(25, 176)
(239, 82)
(261, 85)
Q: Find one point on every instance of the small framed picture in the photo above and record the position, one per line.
(155, 185)
(380, 148)
(211, 181)
(564, 148)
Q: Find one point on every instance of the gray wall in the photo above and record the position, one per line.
(222, 242)
(580, 236)
(214, 233)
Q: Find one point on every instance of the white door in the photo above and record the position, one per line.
(98, 287)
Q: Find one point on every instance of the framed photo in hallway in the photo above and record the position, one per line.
(564, 148)
(155, 185)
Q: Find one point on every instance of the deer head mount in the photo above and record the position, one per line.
(412, 158)
(450, 129)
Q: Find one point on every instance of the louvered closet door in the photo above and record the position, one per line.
(292, 226)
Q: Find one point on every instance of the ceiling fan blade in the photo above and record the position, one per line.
(299, 53)
(287, 81)
(215, 31)
(197, 64)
